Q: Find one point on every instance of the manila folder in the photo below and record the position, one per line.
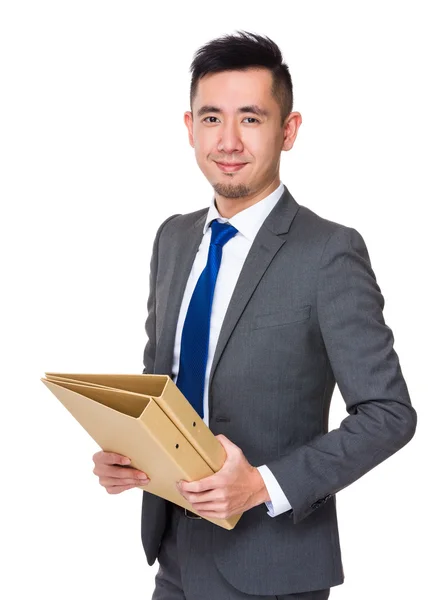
(148, 419)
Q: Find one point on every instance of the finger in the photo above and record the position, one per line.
(203, 485)
(117, 489)
(110, 458)
(111, 481)
(114, 471)
(212, 496)
(209, 506)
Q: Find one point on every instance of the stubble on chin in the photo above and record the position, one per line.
(232, 190)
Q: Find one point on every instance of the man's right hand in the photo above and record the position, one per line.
(114, 474)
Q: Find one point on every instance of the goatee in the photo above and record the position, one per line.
(232, 190)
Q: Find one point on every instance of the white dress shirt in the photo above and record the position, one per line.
(247, 222)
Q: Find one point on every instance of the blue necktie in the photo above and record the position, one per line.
(196, 328)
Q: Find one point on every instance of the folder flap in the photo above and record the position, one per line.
(60, 380)
(125, 403)
(152, 385)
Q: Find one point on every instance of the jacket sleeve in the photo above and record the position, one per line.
(366, 368)
(150, 324)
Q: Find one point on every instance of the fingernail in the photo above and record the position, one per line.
(126, 461)
(142, 476)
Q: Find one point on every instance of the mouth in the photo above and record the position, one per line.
(230, 167)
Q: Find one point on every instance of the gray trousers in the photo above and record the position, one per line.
(187, 570)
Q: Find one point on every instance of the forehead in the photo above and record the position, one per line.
(231, 88)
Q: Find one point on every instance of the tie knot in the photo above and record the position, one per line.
(221, 233)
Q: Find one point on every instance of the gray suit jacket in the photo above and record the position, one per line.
(305, 314)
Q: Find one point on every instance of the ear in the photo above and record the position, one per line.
(291, 127)
(188, 120)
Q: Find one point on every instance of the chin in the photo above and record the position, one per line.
(231, 189)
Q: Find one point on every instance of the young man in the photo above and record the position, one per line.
(257, 308)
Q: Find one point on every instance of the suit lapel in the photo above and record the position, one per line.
(265, 246)
(263, 250)
(187, 242)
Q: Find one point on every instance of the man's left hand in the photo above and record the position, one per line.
(235, 488)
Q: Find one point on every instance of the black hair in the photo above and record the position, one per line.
(239, 53)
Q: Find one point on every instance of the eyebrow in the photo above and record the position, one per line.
(251, 108)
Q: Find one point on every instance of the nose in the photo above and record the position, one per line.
(230, 139)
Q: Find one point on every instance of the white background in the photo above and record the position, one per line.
(95, 155)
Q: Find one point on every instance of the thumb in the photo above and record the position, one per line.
(223, 439)
(227, 444)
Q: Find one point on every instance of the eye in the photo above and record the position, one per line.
(216, 118)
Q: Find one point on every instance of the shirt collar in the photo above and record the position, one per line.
(248, 221)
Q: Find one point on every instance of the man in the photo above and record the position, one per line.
(257, 308)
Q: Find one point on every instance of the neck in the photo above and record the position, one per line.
(228, 207)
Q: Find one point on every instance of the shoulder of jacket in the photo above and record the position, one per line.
(181, 221)
(322, 227)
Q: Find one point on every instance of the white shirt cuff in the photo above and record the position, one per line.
(279, 502)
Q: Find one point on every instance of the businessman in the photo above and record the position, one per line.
(257, 307)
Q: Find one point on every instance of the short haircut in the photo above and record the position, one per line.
(239, 53)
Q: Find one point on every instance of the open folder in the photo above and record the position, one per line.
(148, 419)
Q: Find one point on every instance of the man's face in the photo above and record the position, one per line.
(236, 120)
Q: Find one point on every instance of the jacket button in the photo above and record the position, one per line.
(320, 501)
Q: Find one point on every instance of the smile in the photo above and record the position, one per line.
(230, 168)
